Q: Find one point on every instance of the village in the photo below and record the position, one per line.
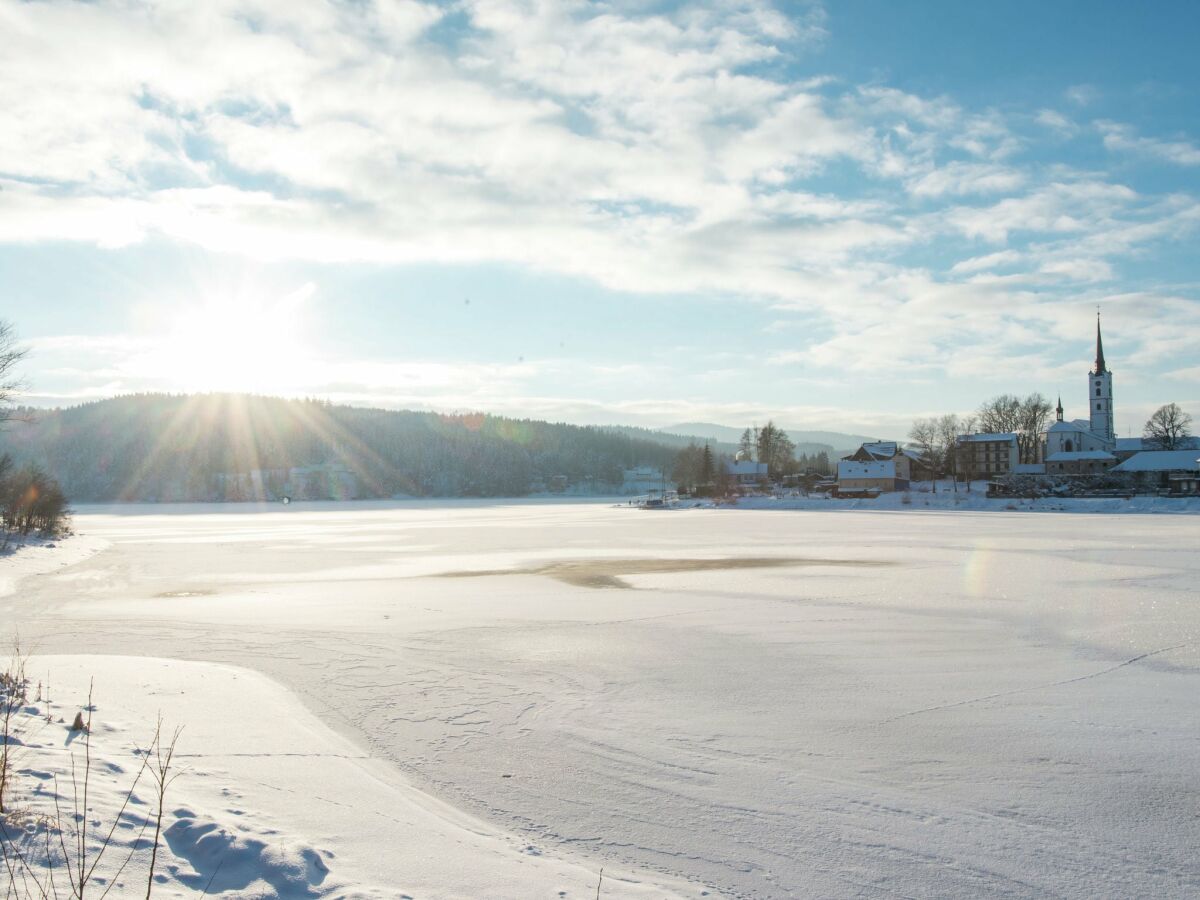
(1076, 457)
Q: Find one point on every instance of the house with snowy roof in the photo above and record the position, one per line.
(877, 474)
(909, 464)
(746, 472)
(1175, 470)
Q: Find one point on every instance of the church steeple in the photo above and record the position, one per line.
(1059, 410)
(1100, 394)
(1100, 369)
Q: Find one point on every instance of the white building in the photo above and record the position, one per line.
(877, 474)
(1085, 445)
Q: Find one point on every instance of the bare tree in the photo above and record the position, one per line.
(924, 434)
(10, 355)
(1034, 416)
(966, 425)
(1000, 415)
(948, 429)
(1168, 428)
(1026, 418)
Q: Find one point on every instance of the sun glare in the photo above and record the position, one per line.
(238, 341)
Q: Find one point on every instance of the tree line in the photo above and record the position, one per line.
(160, 447)
(698, 468)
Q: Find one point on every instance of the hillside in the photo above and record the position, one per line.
(156, 447)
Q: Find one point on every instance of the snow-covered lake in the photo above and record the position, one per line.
(841, 703)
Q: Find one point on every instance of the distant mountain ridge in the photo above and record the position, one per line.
(831, 440)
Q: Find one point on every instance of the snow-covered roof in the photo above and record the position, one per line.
(1130, 445)
(989, 436)
(881, 468)
(881, 449)
(1161, 461)
(1080, 455)
(1065, 426)
(914, 455)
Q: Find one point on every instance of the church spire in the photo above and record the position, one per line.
(1059, 410)
(1100, 369)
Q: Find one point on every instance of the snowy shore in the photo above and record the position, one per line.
(900, 702)
(268, 801)
(975, 500)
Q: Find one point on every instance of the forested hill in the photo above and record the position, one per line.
(157, 447)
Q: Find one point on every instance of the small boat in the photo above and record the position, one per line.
(656, 500)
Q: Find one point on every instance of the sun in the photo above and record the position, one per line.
(237, 341)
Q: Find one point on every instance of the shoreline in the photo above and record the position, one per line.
(272, 797)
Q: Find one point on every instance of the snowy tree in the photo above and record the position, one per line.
(1168, 428)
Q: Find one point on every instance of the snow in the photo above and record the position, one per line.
(268, 802)
(794, 697)
(33, 555)
(947, 500)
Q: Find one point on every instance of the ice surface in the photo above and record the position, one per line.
(1003, 704)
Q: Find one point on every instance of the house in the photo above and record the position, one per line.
(878, 474)
(1176, 470)
(986, 455)
(746, 473)
(910, 465)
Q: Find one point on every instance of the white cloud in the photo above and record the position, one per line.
(958, 178)
(1123, 138)
(646, 150)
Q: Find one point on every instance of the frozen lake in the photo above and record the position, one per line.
(773, 704)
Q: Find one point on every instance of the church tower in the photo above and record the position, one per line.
(1100, 398)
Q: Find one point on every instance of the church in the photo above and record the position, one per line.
(1085, 445)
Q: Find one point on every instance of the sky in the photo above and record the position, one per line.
(840, 215)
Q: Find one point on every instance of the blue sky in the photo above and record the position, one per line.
(839, 216)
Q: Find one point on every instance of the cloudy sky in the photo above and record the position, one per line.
(629, 211)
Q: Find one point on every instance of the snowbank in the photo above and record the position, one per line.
(269, 802)
(39, 556)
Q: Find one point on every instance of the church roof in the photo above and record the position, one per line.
(1080, 455)
(1065, 426)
